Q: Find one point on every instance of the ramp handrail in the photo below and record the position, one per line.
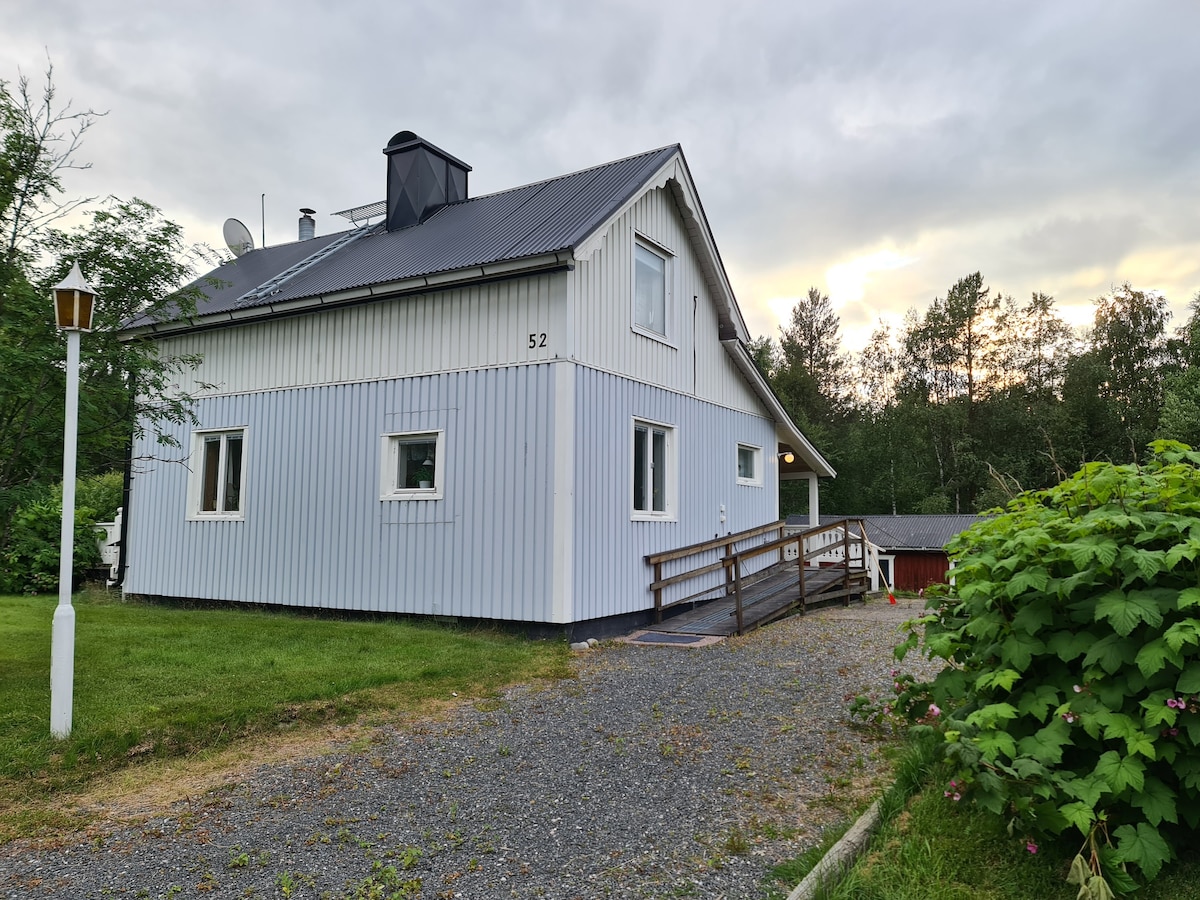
(727, 542)
(734, 557)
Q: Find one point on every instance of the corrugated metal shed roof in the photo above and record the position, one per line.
(524, 222)
(910, 532)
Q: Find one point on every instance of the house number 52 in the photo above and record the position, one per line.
(537, 340)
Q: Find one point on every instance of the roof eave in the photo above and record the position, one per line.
(562, 259)
(793, 436)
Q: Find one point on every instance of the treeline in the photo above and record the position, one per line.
(981, 396)
(136, 259)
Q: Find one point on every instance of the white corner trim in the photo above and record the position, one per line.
(562, 566)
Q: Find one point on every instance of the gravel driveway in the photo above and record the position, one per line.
(661, 771)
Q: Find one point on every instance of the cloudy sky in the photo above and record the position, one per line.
(877, 150)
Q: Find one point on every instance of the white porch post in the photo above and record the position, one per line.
(814, 503)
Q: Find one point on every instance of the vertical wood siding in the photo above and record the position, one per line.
(476, 326)
(316, 533)
(916, 570)
(611, 575)
(599, 291)
(316, 391)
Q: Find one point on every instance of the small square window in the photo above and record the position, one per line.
(649, 290)
(749, 464)
(412, 466)
(217, 474)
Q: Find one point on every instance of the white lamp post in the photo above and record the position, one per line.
(73, 301)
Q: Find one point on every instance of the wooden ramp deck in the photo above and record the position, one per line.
(828, 564)
(772, 597)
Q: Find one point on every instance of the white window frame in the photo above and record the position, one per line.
(667, 257)
(670, 478)
(390, 486)
(877, 576)
(196, 463)
(756, 478)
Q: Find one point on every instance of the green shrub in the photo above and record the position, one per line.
(30, 556)
(99, 493)
(1071, 694)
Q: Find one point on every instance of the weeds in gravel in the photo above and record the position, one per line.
(384, 882)
(735, 843)
(155, 682)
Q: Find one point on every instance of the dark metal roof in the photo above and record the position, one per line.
(909, 532)
(524, 222)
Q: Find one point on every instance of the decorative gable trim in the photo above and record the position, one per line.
(675, 176)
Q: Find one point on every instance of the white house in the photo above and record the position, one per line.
(489, 407)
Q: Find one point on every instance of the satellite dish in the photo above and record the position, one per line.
(237, 237)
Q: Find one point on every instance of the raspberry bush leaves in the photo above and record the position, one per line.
(1070, 698)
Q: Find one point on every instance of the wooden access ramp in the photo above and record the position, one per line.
(815, 567)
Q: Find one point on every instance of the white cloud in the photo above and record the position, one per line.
(1050, 146)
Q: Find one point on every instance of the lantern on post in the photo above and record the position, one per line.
(74, 300)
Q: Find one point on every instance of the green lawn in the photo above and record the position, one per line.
(158, 681)
(931, 848)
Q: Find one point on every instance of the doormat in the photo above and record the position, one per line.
(658, 637)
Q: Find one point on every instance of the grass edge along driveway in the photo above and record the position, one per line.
(156, 684)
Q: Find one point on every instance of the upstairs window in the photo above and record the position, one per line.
(412, 466)
(649, 290)
(217, 473)
(653, 471)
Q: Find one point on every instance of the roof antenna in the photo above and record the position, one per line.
(264, 219)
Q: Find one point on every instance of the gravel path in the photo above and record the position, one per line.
(661, 771)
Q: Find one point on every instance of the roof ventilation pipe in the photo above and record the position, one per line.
(421, 179)
(308, 225)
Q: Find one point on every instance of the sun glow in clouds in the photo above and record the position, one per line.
(848, 281)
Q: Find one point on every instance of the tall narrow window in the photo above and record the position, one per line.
(217, 473)
(653, 470)
(649, 290)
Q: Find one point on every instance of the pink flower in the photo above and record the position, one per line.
(1176, 704)
(1069, 717)
(1078, 689)
(1031, 847)
(934, 710)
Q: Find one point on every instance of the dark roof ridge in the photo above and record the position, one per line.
(565, 175)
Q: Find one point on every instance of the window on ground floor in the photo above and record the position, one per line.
(412, 466)
(217, 474)
(653, 470)
(749, 464)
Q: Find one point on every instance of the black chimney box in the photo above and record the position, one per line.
(421, 180)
